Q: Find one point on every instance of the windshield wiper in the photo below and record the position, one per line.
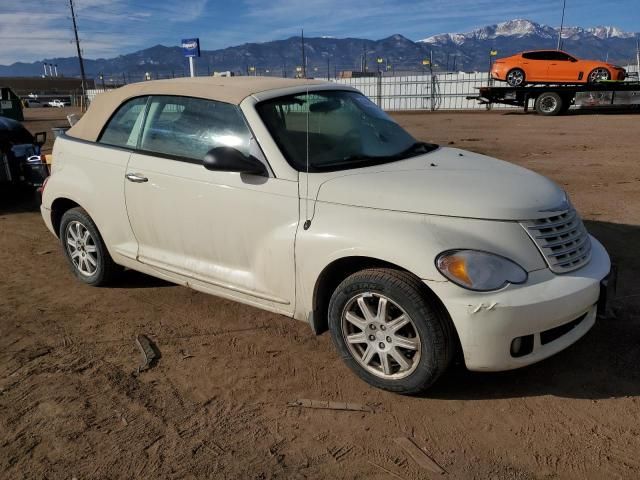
(416, 148)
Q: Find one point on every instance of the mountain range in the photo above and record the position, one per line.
(452, 51)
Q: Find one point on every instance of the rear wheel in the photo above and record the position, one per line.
(85, 250)
(389, 332)
(550, 104)
(516, 77)
(599, 74)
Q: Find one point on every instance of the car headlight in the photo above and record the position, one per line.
(480, 271)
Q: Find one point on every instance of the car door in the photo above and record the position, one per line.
(535, 66)
(102, 191)
(233, 232)
(562, 67)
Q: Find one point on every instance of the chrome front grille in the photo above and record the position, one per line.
(562, 239)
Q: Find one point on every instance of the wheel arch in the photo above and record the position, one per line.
(338, 270)
(58, 208)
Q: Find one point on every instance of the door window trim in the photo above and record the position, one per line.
(168, 156)
(115, 112)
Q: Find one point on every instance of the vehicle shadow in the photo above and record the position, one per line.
(18, 200)
(603, 364)
(629, 110)
(134, 279)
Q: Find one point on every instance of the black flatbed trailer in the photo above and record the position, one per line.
(557, 99)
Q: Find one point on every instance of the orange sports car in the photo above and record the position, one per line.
(552, 66)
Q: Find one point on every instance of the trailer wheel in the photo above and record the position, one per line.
(549, 104)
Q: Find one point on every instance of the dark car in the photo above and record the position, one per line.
(21, 162)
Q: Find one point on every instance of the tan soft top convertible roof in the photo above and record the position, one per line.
(223, 89)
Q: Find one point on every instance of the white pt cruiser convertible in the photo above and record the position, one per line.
(305, 199)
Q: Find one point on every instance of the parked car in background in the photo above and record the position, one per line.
(10, 104)
(552, 66)
(58, 103)
(32, 103)
(305, 199)
(21, 161)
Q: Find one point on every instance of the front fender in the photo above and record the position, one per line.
(409, 240)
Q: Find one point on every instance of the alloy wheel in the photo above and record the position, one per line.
(81, 248)
(599, 74)
(515, 78)
(380, 336)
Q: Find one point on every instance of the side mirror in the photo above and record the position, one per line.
(40, 138)
(229, 159)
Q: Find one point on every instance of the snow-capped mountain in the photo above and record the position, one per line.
(471, 49)
(519, 28)
(452, 51)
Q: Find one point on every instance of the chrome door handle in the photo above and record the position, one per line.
(136, 178)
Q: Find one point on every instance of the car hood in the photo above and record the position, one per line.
(447, 182)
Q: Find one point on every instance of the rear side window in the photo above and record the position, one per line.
(560, 56)
(189, 127)
(538, 55)
(125, 126)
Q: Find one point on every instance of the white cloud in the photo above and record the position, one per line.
(32, 30)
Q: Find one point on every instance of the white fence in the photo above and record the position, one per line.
(91, 93)
(443, 91)
(440, 91)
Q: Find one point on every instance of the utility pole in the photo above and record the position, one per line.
(75, 32)
(564, 5)
(638, 55)
(363, 66)
(304, 58)
(328, 66)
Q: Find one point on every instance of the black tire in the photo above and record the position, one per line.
(516, 77)
(106, 270)
(550, 104)
(430, 320)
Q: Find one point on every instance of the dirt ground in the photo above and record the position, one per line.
(215, 405)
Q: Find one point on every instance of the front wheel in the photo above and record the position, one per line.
(389, 332)
(599, 74)
(85, 250)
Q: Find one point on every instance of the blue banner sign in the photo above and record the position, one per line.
(191, 47)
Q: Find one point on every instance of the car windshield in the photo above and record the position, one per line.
(337, 130)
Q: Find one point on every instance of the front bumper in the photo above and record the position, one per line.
(487, 323)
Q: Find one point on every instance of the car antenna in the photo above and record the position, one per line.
(307, 221)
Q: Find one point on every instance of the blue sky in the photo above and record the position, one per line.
(35, 29)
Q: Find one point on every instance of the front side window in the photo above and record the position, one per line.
(190, 127)
(334, 129)
(123, 129)
(559, 56)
